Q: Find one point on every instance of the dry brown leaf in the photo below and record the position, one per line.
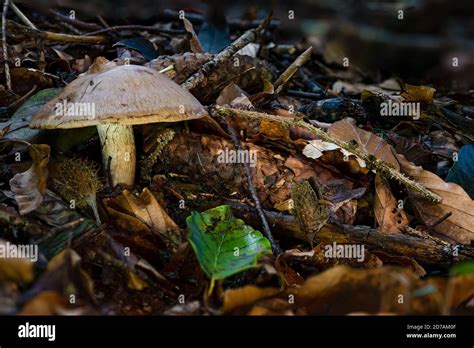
(368, 142)
(17, 270)
(460, 225)
(142, 214)
(389, 216)
(247, 295)
(289, 276)
(235, 97)
(29, 187)
(45, 303)
(401, 260)
(316, 148)
(418, 93)
(341, 290)
(193, 41)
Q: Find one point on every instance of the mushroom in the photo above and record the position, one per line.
(114, 98)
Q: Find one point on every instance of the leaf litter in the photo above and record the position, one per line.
(268, 194)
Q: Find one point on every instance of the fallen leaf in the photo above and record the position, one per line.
(45, 303)
(21, 118)
(460, 225)
(389, 216)
(18, 270)
(142, 213)
(235, 97)
(401, 260)
(316, 148)
(29, 187)
(289, 276)
(346, 130)
(194, 40)
(245, 296)
(342, 290)
(418, 93)
(223, 244)
(214, 36)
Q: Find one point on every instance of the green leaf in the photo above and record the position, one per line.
(223, 244)
(462, 268)
(21, 118)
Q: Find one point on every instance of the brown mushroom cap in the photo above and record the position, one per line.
(127, 95)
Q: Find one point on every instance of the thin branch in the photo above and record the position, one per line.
(23, 31)
(265, 226)
(75, 22)
(4, 45)
(137, 27)
(248, 37)
(292, 69)
(372, 162)
(22, 16)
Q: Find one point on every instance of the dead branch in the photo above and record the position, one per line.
(18, 30)
(292, 69)
(75, 22)
(4, 45)
(424, 250)
(372, 162)
(248, 37)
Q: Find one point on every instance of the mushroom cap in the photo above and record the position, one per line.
(126, 94)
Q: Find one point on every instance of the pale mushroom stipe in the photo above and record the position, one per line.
(120, 96)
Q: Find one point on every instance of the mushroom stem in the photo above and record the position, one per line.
(118, 144)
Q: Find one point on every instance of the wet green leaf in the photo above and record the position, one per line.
(223, 244)
(462, 268)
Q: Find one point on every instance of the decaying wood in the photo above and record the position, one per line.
(425, 251)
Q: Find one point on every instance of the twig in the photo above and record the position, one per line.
(248, 37)
(22, 16)
(312, 85)
(291, 70)
(21, 30)
(4, 45)
(47, 35)
(253, 192)
(372, 162)
(137, 27)
(307, 95)
(75, 22)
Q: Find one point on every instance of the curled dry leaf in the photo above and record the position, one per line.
(418, 93)
(460, 225)
(142, 213)
(368, 142)
(289, 276)
(235, 97)
(389, 216)
(30, 186)
(194, 40)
